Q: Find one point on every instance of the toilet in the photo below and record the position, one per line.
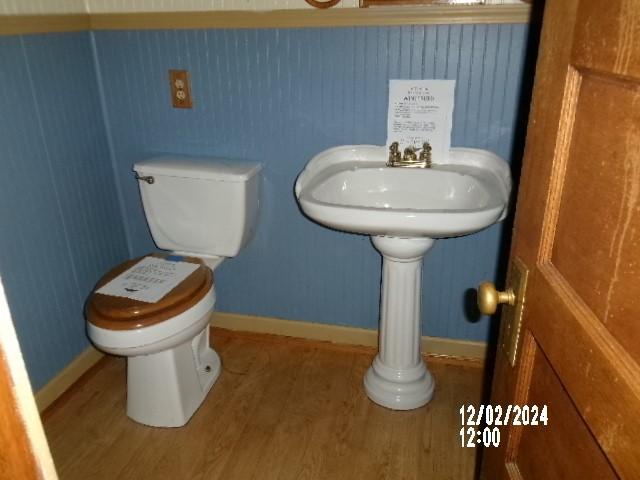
(202, 211)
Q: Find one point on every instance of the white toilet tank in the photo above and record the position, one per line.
(199, 205)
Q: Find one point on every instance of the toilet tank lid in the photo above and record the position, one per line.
(206, 168)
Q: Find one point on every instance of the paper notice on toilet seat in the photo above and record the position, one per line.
(148, 280)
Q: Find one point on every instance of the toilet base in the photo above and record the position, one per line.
(165, 389)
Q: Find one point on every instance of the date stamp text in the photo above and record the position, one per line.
(480, 424)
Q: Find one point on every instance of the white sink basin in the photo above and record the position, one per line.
(350, 188)
(404, 209)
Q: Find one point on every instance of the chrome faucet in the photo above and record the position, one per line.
(409, 159)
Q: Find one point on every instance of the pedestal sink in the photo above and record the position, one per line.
(350, 188)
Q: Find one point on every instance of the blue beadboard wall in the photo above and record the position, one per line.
(61, 227)
(279, 96)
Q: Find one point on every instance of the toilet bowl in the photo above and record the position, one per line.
(170, 365)
(203, 210)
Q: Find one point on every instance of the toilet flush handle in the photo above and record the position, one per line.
(149, 179)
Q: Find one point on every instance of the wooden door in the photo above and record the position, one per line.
(24, 452)
(578, 232)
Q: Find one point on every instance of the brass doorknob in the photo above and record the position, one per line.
(489, 298)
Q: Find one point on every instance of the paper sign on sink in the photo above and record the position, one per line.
(421, 111)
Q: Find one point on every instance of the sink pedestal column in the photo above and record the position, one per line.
(398, 378)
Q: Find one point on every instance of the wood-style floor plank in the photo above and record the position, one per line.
(282, 409)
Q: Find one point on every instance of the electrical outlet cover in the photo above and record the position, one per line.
(180, 89)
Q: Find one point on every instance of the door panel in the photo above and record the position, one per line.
(578, 231)
(583, 460)
(607, 34)
(595, 249)
(596, 372)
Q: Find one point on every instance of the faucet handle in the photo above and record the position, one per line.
(394, 154)
(425, 154)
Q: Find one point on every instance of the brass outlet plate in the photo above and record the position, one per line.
(512, 315)
(180, 89)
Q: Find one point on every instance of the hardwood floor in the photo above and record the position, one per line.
(282, 409)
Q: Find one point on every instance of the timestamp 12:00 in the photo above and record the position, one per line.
(471, 437)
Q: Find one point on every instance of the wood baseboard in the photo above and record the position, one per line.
(67, 377)
(435, 346)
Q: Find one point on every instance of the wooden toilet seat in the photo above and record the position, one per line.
(118, 313)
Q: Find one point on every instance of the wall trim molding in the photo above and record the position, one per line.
(435, 346)
(27, 24)
(294, 18)
(345, 17)
(67, 377)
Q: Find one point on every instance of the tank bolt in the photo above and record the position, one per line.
(207, 369)
(149, 179)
